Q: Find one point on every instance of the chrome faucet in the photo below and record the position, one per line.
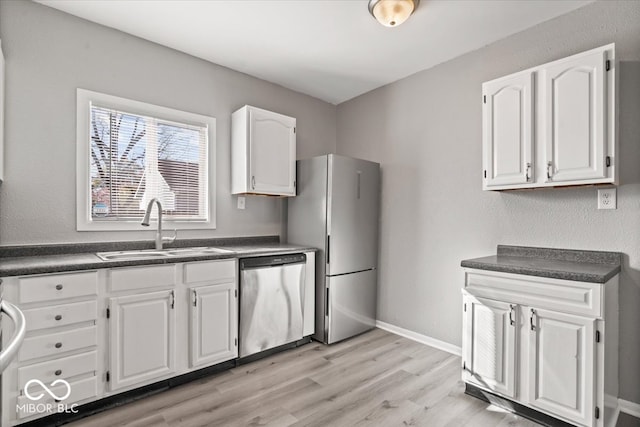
(145, 221)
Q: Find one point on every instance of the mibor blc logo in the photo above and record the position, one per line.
(59, 390)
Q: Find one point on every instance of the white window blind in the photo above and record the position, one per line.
(135, 158)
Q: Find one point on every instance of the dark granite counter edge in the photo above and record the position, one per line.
(29, 268)
(574, 255)
(551, 274)
(93, 247)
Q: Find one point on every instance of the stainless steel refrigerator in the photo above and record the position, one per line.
(336, 210)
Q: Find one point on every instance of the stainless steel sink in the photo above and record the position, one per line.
(165, 253)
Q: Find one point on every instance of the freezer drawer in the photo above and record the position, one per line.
(352, 304)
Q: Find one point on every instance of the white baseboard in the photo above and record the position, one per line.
(432, 342)
(630, 408)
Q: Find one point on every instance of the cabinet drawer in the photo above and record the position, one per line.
(208, 271)
(124, 279)
(57, 286)
(60, 315)
(79, 391)
(64, 367)
(567, 296)
(56, 343)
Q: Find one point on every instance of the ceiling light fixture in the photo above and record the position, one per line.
(392, 13)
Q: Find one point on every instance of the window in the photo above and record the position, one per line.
(130, 152)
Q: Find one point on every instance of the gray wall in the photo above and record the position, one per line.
(425, 131)
(49, 54)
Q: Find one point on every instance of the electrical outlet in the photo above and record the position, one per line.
(241, 201)
(607, 198)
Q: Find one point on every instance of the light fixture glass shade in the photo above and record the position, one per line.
(392, 13)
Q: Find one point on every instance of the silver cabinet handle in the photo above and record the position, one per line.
(173, 299)
(253, 182)
(195, 298)
(59, 287)
(11, 350)
(549, 169)
(527, 175)
(512, 308)
(533, 313)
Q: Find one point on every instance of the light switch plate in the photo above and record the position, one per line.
(241, 201)
(607, 198)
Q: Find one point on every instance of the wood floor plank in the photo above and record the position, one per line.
(376, 379)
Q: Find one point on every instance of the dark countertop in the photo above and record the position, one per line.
(60, 258)
(567, 264)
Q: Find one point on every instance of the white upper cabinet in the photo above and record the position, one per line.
(263, 153)
(507, 135)
(552, 125)
(575, 118)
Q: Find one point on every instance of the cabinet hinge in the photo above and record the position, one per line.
(236, 293)
(464, 366)
(108, 313)
(608, 161)
(294, 129)
(108, 376)
(235, 342)
(608, 65)
(465, 306)
(484, 99)
(485, 173)
(597, 413)
(597, 336)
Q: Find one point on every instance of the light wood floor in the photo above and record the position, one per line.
(375, 379)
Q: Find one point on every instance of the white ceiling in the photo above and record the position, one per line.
(330, 49)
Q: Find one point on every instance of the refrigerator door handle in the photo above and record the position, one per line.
(328, 247)
(326, 304)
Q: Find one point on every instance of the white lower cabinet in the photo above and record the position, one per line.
(112, 330)
(142, 338)
(547, 344)
(213, 324)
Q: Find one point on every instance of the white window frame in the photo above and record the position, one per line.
(84, 98)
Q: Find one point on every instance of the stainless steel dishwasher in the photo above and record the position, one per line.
(271, 301)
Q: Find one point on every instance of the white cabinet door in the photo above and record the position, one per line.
(561, 364)
(214, 324)
(574, 113)
(272, 139)
(507, 114)
(489, 343)
(142, 336)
